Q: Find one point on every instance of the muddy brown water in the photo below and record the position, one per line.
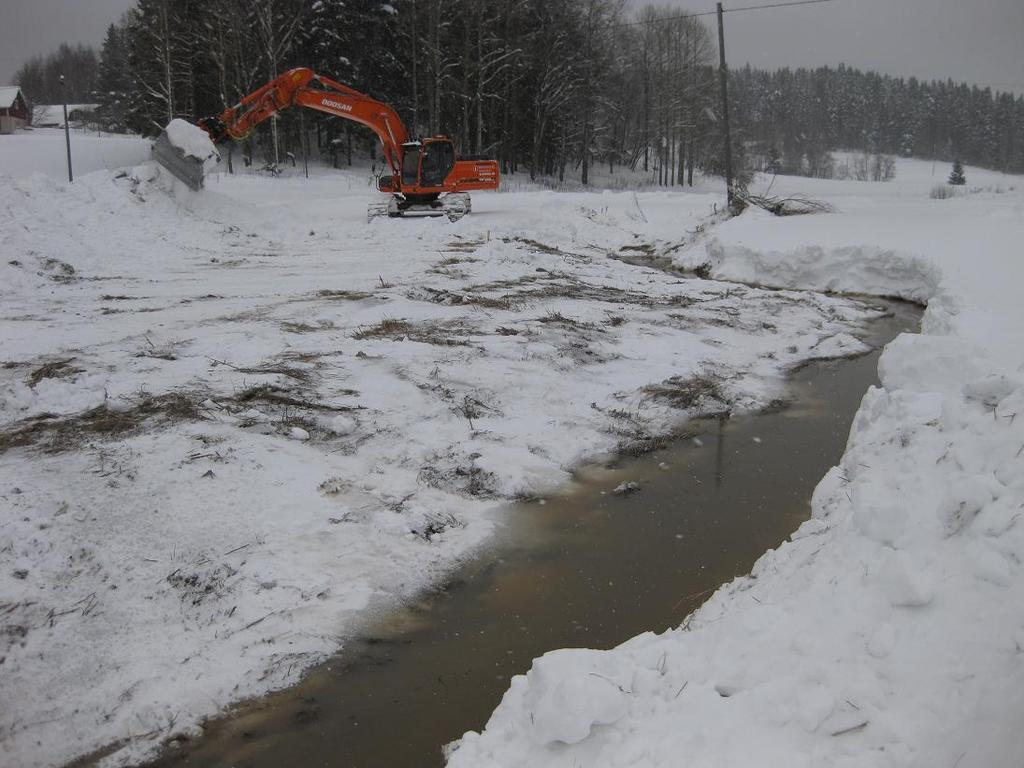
(590, 569)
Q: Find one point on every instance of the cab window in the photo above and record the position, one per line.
(438, 159)
(410, 166)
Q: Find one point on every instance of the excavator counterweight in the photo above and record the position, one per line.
(426, 176)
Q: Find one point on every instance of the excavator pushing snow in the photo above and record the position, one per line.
(425, 176)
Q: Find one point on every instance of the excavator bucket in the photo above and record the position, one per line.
(186, 151)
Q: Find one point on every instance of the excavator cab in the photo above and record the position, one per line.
(424, 184)
(426, 164)
(437, 158)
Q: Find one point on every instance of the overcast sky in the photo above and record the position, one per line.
(980, 41)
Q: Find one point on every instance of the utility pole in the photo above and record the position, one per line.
(723, 75)
(67, 128)
(303, 139)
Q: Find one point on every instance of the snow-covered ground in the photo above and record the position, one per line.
(232, 421)
(44, 150)
(890, 630)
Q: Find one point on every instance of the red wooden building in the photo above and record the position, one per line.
(13, 109)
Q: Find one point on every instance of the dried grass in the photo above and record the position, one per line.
(684, 393)
(442, 334)
(56, 434)
(342, 295)
(56, 369)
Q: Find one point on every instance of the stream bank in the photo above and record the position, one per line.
(590, 568)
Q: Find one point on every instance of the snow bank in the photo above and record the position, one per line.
(888, 631)
(860, 268)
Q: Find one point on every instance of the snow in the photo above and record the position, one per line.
(261, 418)
(234, 422)
(887, 631)
(43, 150)
(192, 140)
(52, 115)
(8, 94)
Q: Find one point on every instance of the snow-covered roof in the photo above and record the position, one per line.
(8, 94)
(53, 114)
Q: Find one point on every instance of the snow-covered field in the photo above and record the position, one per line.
(232, 421)
(44, 150)
(890, 630)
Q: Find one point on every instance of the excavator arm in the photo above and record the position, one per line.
(303, 87)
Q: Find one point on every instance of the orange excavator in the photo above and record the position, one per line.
(426, 175)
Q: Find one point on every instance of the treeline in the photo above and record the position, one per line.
(39, 77)
(548, 86)
(552, 87)
(793, 118)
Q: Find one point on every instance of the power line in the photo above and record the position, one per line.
(724, 10)
(776, 5)
(670, 18)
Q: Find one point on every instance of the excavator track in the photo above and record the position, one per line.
(379, 208)
(454, 205)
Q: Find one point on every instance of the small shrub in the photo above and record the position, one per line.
(957, 177)
(942, 192)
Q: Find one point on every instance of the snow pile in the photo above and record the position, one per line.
(888, 631)
(874, 270)
(192, 140)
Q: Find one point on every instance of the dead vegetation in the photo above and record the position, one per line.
(438, 333)
(556, 285)
(59, 271)
(388, 328)
(463, 246)
(194, 585)
(462, 477)
(167, 351)
(56, 369)
(58, 434)
(684, 393)
(540, 274)
(795, 205)
(558, 318)
(51, 433)
(647, 249)
(280, 396)
(297, 327)
(451, 261)
(342, 295)
(301, 375)
(535, 245)
(461, 299)
(436, 525)
(636, 441)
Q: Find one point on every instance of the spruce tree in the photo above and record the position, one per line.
(114, 84)
(957, 177)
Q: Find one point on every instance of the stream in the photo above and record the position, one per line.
(591, 568)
